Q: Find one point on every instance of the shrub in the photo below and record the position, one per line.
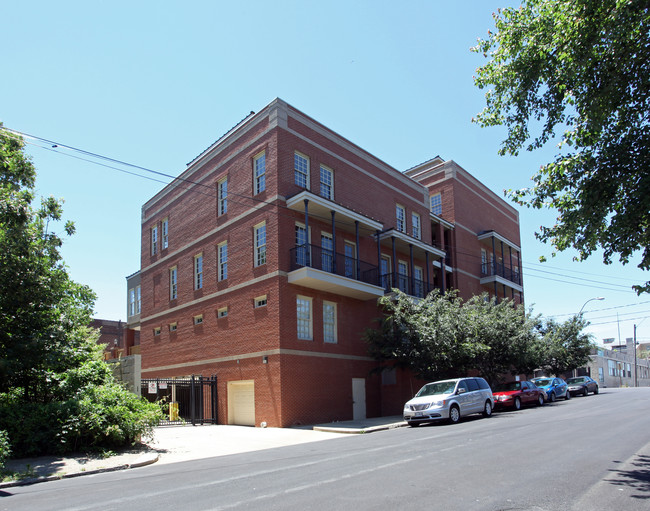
(5, 448)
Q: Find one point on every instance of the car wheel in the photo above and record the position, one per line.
(414, 424)
(517, 404)
(487, 409)
(540, 400)
(585, 391)
(552, 397)
(454, 414)
(567, 396)
(596, 391)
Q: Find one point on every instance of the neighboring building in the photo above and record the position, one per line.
(615, 368)
(263, 262)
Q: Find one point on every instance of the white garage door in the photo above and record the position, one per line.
(241, 403)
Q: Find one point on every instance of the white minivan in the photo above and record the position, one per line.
(449, 400)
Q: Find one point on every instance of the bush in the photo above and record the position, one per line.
(5, 448)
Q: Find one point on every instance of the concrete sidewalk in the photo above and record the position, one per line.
(172, 444)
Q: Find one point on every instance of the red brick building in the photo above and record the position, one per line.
(262, 263)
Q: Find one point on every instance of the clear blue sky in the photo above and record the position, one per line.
(155, 83)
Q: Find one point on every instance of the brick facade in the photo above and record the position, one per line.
(246, 327)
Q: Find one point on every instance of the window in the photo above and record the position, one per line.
(385, 269)
(301, 245)
(222, 255)
(156, 330)
(304, 319)
(484, 262)
(326, 182)
(350, 260)
(222, 196)
(173, 327)
(329, 322)
(403, 273)
(415, 226)
(138, 299)
(327, 252)
(132, 302)
(165, 233)
(198, 271)
(223, 312)
(418, 276)
(154, 240)
(301, 170)
(198, 319)
(259, 166)
(260, 244)
(628, 368)
(173, 283)
(401, 218)
(260, 301)
(611, 367)
(436, 204)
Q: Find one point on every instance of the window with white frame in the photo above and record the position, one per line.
(198, 319)
(327, 252)
(198, 271)
(329, 322)
(259, 169)
(157, 330)
(304, 317)
(173, 283)
(222, 312)
(350, 260)
(484, 262)
(260, 301)
(302, 248)
(138, 299)
(154, 240)
(418, 276)
(301, 170)
(611, 367)
(436, 204)
(222, 255)
(402, 277)
(400, 214)
(416, 226)
(326, 182)
(173, 327)
(222, 196)
(132, 302)
(260, 244)
(165, 233)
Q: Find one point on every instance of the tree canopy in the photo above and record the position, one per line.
(564, 345)
(577, 71)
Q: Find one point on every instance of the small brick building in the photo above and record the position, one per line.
(262, 264)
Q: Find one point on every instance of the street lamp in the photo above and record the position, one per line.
(590, 299)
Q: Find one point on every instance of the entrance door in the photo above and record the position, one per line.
(241, 403)
(358, 398)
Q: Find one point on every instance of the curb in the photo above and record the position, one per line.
(359, 431)
(142, 461)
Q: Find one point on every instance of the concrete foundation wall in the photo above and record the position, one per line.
(128, 371)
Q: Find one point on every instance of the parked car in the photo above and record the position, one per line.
(517, 393)
(554, 387)
(449, 400)
(582, 385)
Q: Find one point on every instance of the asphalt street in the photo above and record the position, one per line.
(589, 453)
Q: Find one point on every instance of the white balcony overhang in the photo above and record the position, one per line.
(439, 220)
(404, 239)
(491, 279)
(332, 283)
(486, 239)
(321, 207)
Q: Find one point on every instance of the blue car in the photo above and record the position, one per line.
(555, 388)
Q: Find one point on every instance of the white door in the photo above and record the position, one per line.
(241, 403)
(358, 398)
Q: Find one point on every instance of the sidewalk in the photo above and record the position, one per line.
(172, 444)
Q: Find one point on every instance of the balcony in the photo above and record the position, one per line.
(414, 287)
(325, 270)
(501, 274)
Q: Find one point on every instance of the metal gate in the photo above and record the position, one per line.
(192, 399)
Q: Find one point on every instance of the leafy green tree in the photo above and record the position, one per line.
(565, 346)
(581, 67)
(56, 394)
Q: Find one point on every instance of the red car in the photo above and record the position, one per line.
(517, 393)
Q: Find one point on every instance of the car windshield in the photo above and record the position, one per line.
(575, 380)
(504, 387)
(542, 383)
(441, 387)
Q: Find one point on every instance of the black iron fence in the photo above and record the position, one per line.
(184, 400)
(409, 285)
(501, 270)
(332, 262)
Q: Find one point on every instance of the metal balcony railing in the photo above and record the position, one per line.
(501, 270)
(331, 262)
(410, 286)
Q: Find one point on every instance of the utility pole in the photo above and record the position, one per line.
(635, 378)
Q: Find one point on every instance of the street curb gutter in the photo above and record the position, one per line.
(144, 460)
(359, 431)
